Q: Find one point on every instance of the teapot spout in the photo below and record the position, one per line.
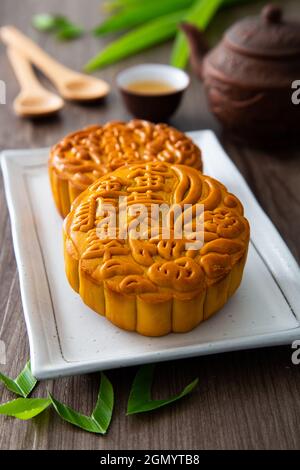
(198, 46)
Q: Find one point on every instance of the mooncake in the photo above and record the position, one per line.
(82, 157)
(158, 283)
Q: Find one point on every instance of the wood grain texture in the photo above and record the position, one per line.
(245, 400)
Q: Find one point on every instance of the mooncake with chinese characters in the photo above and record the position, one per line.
(82, 157)
(159, 283)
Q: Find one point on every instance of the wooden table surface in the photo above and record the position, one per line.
(245, 400)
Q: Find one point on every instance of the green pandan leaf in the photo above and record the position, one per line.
(24, 408)
(23, 384)
(138, 13)
(140, 395)
(100, 418)
(150, 33)
(200, 14)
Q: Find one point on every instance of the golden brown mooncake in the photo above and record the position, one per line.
(156, 286)
(84, 156)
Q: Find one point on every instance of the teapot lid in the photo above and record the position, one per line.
(267, 35)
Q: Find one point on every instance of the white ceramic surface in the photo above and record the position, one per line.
(66, 337)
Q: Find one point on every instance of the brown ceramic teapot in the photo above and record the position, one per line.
(248, 76)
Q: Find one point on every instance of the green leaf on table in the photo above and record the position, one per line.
(149, 34)
(46, 22)
(100, 418)
(200, 14)
(69, 31)
(24, 408)
(23, 384)
(140, 395)
(61, 25)
(138, 13)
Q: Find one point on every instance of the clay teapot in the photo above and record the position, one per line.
(248, 76)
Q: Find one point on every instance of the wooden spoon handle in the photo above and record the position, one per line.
(23, 70)
(50, 67)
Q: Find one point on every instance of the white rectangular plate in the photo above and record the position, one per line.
(66, 337)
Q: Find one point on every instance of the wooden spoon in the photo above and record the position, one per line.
(33, 100)
(71, 85)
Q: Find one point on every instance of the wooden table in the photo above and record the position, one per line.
(245, 399)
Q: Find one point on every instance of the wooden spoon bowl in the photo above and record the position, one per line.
(82, 88)
(33, 100)
(31, 105)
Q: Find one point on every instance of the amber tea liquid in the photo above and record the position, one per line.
(150, 87)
